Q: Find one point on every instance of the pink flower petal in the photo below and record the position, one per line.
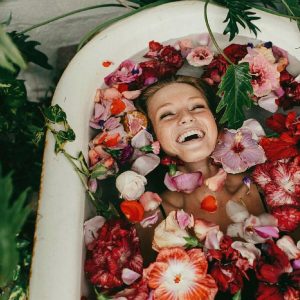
(184, 219)
(129, 276)
(150, 201)
(92, 184)
(202, 227)
(247, 250)
(200, 56)
(112, 123)
(287, 245)
(213, 238)
(268, 102)
(267, 231)
(130, 95)
(216, 182)
(149, 221)
(255, 127)
(237, 212)
(91, 228)
(145, 164)
(204, 39)
(296, 264)
(141, 139)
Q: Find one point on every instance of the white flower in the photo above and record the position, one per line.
(91, 227)
(131, 185)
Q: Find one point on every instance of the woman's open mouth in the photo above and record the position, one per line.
(190, 135)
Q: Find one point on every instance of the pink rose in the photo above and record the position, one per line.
(150, 201)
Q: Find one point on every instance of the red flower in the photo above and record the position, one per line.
(116, 248)
(235, 52)
(280, 182)
(275, 274)
(137, 291)
(288, 217)
(171, 56)
(154, 48)
(133, 210)
(287, 144)
(215, 70)
(228, 268)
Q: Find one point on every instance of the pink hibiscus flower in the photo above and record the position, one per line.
(180, 275)
(280, 182)
(237, 151)
(265, 77)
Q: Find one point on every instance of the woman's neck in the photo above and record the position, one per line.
(204, 166)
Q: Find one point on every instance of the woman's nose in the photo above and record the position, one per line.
(186, 117)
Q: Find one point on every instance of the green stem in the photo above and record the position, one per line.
(69, 14)
(212, 36)
(83, 179)
(104, 25)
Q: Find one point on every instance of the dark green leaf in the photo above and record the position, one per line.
(28, 49)
(10, 56)
(83, 164)
(292, 8)
(239, 14)
(55, 114)
(61, 137)
(235, 90)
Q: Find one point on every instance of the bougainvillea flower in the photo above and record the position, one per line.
(200, 56)
(168, 234)
(280, 182)
(265, 77)
(183, 182)
(133, 210)
(131, 185)
(227, 266)
(91, 227)
(145, 164)
(180, 275)
(127, 72)
(150, 201)
(288, 217)
(216, 182)
(237, 151)
(116, 248)
(202, 227)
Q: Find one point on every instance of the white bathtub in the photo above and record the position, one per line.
(57, 267)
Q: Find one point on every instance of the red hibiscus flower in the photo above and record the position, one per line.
(228, 268)
(116, 248)
(280, 182)
(275, 274)
(287, 144)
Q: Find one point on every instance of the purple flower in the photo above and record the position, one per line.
(126, 154)
(127, 72)
(183, 182)
(237, 151)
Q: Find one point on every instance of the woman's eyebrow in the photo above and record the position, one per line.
(163, 105)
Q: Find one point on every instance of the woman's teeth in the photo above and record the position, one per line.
(189, 135)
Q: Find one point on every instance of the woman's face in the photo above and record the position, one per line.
(183, 122)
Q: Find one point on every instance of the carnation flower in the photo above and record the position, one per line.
(288, 217)
(280, 182)
(237, 151)
(200, 56)
(116, 248)
(127, 72)
(265, 77)
(180, 275)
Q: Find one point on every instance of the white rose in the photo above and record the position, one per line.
(131, 185)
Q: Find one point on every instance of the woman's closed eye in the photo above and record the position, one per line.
(166, 115)
(197, 107)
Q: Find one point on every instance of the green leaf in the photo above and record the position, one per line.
(10, 56)
(192, 242)
(237, 296)
(13, 217)
(28, 49)
(235, 90)
(292, 8)
(83, 164)
(55, 114)
(98, 171)
(61, 137)
(239, 14)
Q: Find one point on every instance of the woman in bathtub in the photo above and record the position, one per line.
(185, 126)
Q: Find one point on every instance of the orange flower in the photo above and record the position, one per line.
(117, 106)
(133, 210)
(180, 275)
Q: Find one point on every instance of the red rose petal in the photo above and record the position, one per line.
(106, 63)
(209, 204)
